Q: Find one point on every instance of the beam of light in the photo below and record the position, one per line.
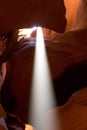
(42, 97)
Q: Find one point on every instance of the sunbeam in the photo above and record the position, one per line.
(42, 97)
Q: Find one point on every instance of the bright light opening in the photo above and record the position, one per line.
(29, 32)
(25, 32)
(42, 96)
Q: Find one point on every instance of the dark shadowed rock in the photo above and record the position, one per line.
(21, 14)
